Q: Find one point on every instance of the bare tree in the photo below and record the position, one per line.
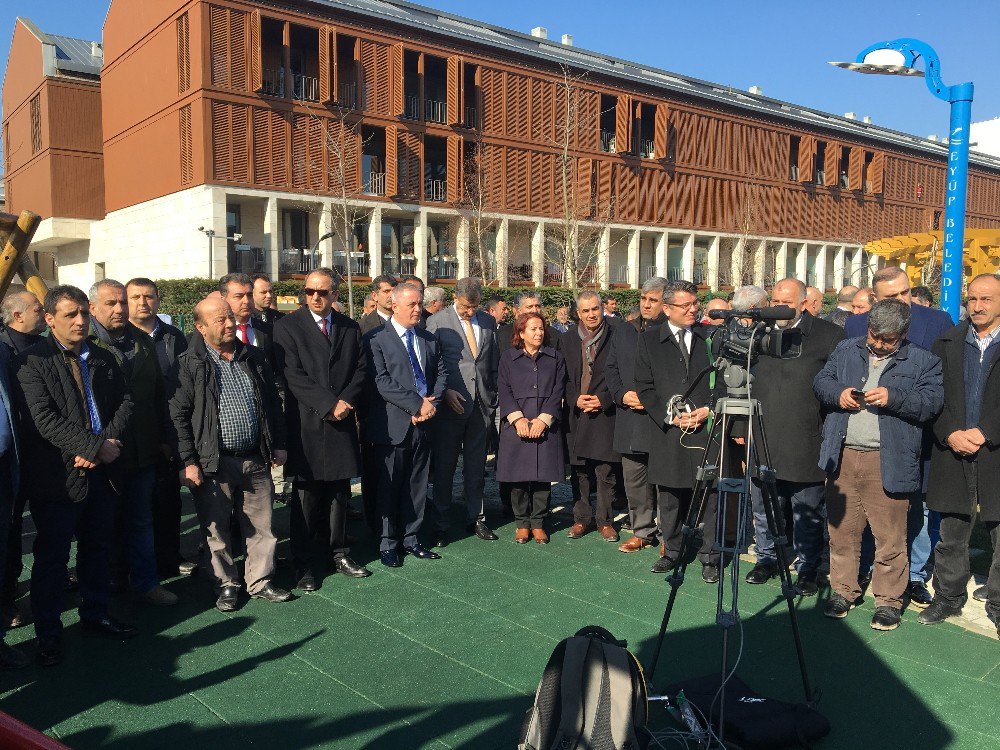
(744, 252)
(476, 198)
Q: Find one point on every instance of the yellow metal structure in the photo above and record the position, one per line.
(15, 236)
(912, 252)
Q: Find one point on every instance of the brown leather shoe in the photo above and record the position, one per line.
(521, 536)
(577, 530)
(635, 544)
(540, 536)
(609, 533)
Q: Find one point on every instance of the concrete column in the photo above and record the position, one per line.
(661, 253)
(375, 243)
(687, 257)
(326, 227)
(759, 258)
(781, 261)
(272, 239)
(838, 266)
(821, 262)
(713, 263)
(420, 245)
(538, 253)
(604, 258)
(736, 270)
(462, 247)
(857, 260)
(802, 262)
(502, 251)
(633, 259)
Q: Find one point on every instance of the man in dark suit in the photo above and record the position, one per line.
(966, 458)
(524, 302)
(668, 359)
(467, 337)
(323, 366)
(407, 380)
(632, 423)
(793, 422)
(926, 326)
(840, 314)
(75, 407)
(590, 422)
(382, 287)
(263, 299)
(10, 657)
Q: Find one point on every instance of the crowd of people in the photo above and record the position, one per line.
(884, 436)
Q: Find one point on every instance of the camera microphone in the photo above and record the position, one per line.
(779, 312)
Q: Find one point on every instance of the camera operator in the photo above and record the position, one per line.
(792, 421)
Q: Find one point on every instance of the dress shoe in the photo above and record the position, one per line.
(806, 585)
(837, 607)
(886, 618)
(349, 568)
(159, 597)
(229, 597)
(14, 617)
(664, 564)
(307, 581)
(920, 597)
(109, 627)
(421, 553)
(480, 529)
(608, 532)
(979, 594)
(270, 592)
(353, 514)
(762, 572)
(11, 658)
(521, 536)
(540, 536)
(634, 544)
(440, 540)
(186, 567)
(710, 573)
(390, 558)
(49, 652)
(937, 612)
(578, 530)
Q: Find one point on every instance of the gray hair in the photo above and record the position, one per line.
(801, 290)
(890, 317)
(587, 294)
(433, 294)
(747, 297)
(655, 284)
(520, 297)
(103, 283)
(329, 273)
(15, 302)
(469, 288)
(399, 289)
(672, 288)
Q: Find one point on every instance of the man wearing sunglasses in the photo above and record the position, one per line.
(319, 352)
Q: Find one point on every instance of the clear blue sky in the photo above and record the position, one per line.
(780, 45)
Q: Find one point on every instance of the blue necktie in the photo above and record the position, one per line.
(418, 373)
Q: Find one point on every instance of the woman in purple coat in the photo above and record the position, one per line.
(531, 456)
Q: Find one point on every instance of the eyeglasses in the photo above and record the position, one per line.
(319, 292)
(689, 306)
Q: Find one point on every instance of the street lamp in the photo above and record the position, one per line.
(898, 58)
(210, 233)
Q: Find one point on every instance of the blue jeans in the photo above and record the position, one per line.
(922, 527)
(808, 525)
(135, 524)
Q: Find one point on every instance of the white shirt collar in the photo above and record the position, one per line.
(674, 329)
(328, 318)
(382, 315)
(400, 329)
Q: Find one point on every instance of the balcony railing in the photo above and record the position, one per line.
(411, 107)
(408, 265)
(247, 260)
(700, 275)
(647, 273)
(476, 269)
(608, 142)
(375, 184)
(471, 117)
(675, 274)
(273, 82)
(619, 275)
(519, 272)
(390, 264)
(435, 111)
(553, 275)
(435, 190)
(646, 149)
(347, 95)
(295, 260)
(793, 172)
(305, 88)
(443, 268)
(358, 259)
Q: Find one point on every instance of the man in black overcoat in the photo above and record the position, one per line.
(965, 463)
(323, 366)
(590, 418)
(668, 359)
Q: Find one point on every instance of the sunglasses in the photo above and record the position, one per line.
(319, 292)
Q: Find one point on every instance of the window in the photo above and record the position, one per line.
(845, 160)
(793, 158)
(295, 229)
(866, 179)
(819, 162)
(609, 118)
(36, 124)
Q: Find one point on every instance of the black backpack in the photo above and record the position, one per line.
(592, 695)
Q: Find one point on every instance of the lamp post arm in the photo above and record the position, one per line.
(913, 50)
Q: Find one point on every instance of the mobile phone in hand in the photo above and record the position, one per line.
(859, 396)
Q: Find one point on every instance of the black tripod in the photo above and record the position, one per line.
(711, 478)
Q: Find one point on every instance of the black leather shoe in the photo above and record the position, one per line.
(886, 618)
(11, 658)
(186, 567)
(920, 597)
(979, 594)
(272, 593)
(229, 597)
(109, 627)
(421, 553)
(805, 584)
(307, 581)
(664, 565)
(480, 529)
(49, 652)
(440, 539)
(837, 607)
(14, 617)
(762, 572)
(390, 558)
(710, 573)
(348, 567)
(937, 612)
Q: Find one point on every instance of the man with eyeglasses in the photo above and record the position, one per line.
(323, 366)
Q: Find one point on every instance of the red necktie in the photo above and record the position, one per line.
(322, 327)
(243, 331)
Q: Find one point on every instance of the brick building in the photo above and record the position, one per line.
(434, 144)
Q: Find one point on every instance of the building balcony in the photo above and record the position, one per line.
(305, 88)
(553, 275)
(295, 261)
(675, 274)
(396, 265)
(347, 95)
(519, 273)
(435, 111)
(435, 190)
(375, 184)
(358, 263)
(443, 266)
(476, 268)
(646, 273)
(646, 149)
(608, 144)
(471, 117)
(411, 107)
(273, 82)
(247, 259)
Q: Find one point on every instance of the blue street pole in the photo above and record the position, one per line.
(956, 176)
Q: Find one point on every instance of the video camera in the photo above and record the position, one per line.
(747, 334)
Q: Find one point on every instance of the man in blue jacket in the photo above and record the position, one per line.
(880, 392)
(926, 326)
